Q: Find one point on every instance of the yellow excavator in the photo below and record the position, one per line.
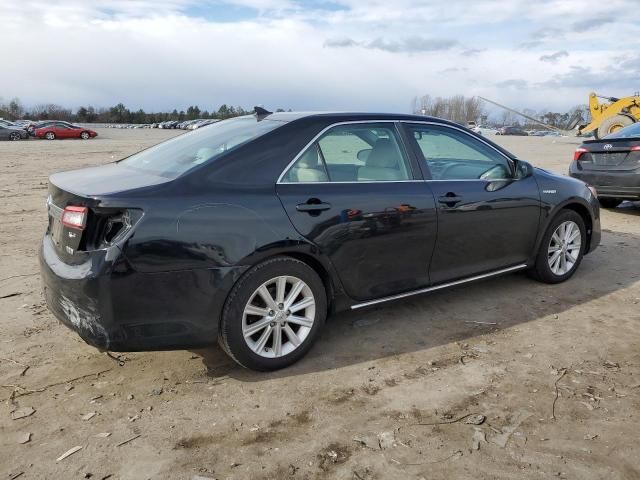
(607, 117)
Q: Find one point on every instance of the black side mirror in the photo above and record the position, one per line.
(523, 170)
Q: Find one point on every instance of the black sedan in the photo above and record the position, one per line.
(612, 165)
(252, 230)
(512, 131)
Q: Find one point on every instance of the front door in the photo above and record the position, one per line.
(356, 195)
(487, 219)
(62, 131)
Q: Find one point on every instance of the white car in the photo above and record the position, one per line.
(473, 126)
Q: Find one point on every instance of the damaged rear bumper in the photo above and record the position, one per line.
(113, 307)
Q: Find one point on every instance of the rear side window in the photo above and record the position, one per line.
(630, 131)
(454, 155)
(352, 153)
(180, 154)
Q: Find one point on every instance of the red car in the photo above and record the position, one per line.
(64, 130)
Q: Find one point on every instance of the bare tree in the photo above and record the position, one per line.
(458, 108)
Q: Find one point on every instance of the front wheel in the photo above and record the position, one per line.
(50, 136)
(84, 135)
(273, 314)
(14, 136)
(561, 249)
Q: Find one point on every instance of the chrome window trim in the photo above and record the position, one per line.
(352, 122)
(515, 268)
(350, 182)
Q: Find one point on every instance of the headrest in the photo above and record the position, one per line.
(383, 155)
(309, 159)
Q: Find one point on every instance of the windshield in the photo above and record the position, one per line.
(174, 157)
(627, 132)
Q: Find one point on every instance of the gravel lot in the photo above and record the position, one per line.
(381, 396)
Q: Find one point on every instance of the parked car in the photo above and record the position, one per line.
(252, 230)
(204, 123)
(44, 123)
(8, 123)
(612, 165)
(64, 130)
(473, 126)
(511, 131)
(12, 133)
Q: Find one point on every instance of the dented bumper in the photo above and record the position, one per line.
(113, 307)
(79, 295)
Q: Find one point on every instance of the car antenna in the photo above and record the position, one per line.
(261, 112)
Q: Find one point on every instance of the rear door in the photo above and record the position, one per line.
(357, 195)
(487, 219)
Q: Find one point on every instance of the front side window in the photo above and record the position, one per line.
(352, 153)
(174, 157)
(454, 155)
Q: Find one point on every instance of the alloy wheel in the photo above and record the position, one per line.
(278, 316)
(564, 248)
(14, 136)
(50, 136)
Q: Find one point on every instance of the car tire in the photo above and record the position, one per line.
(84, 135)
(612, 124)
(50, 136)
(258, 328)
(609, 202)
(14, 136)
(545, 268)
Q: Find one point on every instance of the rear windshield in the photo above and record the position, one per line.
(174, 157)
(627, 132)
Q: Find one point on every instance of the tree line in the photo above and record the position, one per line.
(461, 109)
(14, 110)
(458, 108)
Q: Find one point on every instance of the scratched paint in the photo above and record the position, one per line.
(82, 319)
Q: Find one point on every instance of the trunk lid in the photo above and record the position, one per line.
(614, 154)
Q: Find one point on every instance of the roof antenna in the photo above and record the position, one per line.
(261, 112)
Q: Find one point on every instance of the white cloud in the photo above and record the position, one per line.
(160, 54)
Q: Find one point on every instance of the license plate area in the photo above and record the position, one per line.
(609, 159)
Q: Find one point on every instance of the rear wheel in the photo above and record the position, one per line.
(608, 202)
(84, 135)
(273, 314)
(561, 249)
(612, 124)
(50, 136)
(14, 136)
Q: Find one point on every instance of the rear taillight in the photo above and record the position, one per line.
(579, 151)
(75, 217)
(635, 148)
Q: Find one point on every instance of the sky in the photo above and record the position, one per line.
(316, 55)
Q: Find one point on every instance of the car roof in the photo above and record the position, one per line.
(352, 116)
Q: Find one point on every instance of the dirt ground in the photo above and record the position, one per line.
(390, 392)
